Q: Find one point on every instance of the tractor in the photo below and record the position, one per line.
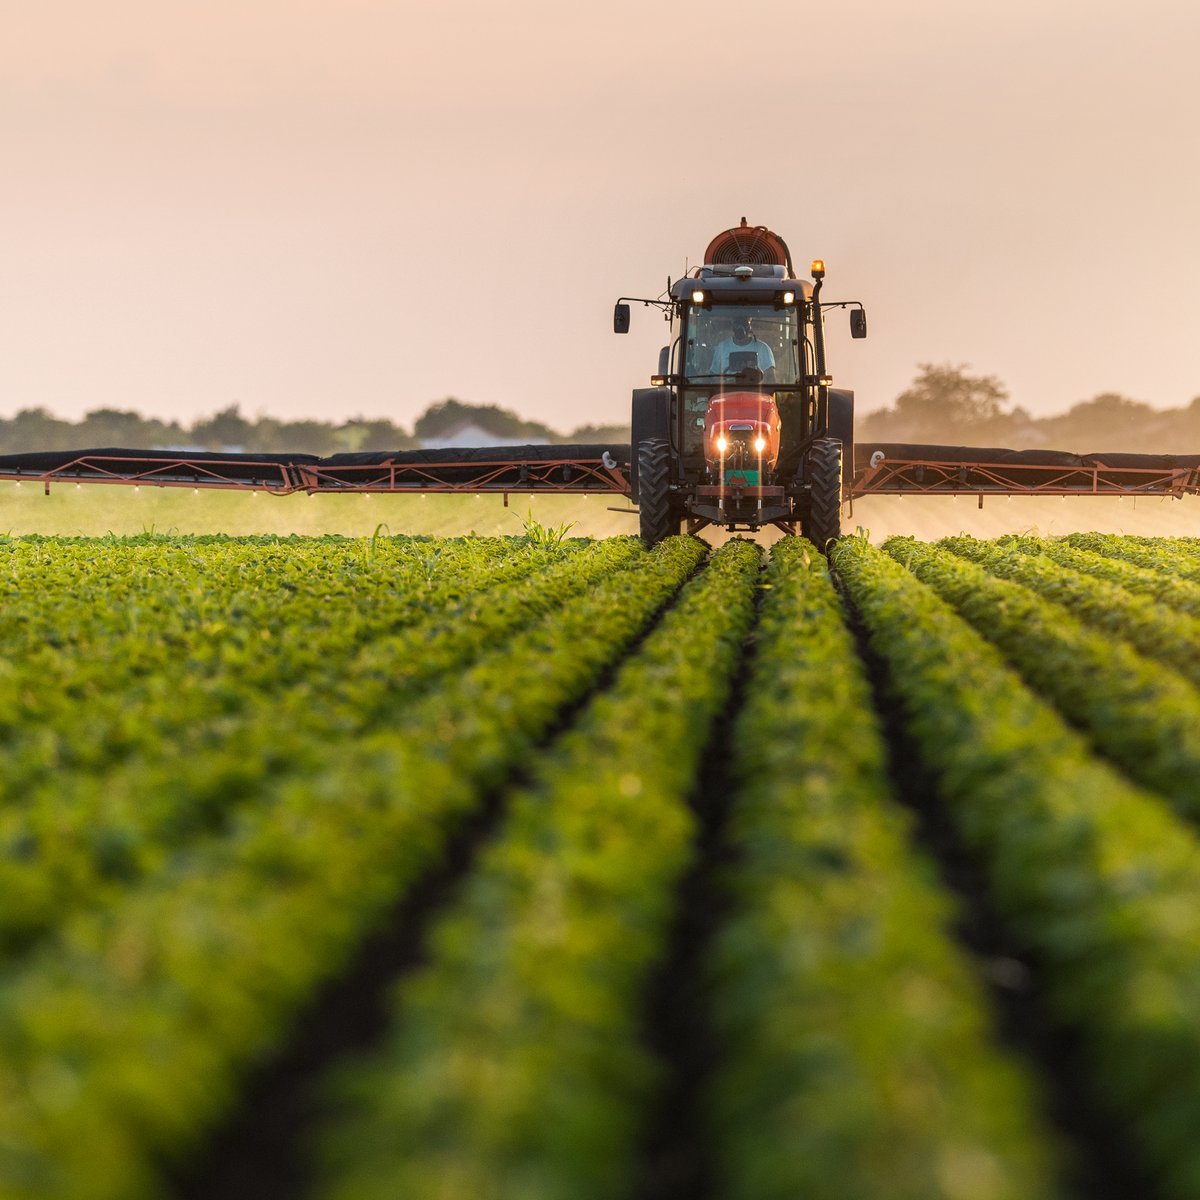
(741, 426)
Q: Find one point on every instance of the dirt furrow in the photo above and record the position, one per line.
(676, 1156)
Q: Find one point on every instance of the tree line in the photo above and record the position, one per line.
(945, 404)
(34, 429)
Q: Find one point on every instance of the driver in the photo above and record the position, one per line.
(742, 341)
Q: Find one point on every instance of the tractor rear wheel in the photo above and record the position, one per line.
(821, 520)
(657, 518)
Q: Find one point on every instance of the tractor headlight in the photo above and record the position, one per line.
(698, 297)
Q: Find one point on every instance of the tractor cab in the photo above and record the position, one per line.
(748, 359)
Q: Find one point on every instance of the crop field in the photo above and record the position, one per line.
(539, 867)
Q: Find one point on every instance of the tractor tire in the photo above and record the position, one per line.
(657, 517)
(821, 519)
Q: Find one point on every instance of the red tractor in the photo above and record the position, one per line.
(741, 427)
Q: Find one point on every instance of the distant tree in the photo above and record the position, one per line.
(119, 427)
(1185, 428)
(271, 435)
(945, 403)
(164, 433)
(359, 433)
(947, 395)
(440, 417)
(307, 437)
(1109, 421)
(1110, 409)
(443, 416)
(224, 430)
(37, 429)
(597, 434)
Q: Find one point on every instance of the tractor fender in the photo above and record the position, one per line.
(841, 427)
(651, 422)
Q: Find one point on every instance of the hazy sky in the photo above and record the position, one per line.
(321, 208)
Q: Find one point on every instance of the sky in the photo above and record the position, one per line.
(331, 208)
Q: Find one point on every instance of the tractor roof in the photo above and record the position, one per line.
(727, 288)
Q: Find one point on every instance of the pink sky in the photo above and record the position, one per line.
(327, 209)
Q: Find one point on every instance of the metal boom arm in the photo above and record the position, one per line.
(881, 469)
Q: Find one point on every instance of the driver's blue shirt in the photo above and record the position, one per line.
(720, 360)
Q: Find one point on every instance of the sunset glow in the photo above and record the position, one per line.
(296, 206)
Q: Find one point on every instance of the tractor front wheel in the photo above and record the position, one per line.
(657, 518)
(821, 520)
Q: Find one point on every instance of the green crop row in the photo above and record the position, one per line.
(855, 1046)
(1096, 877)
(1171, 637)
(83, 594)
(84, 832)
(1185, 545)
(1137, 712)
(162, 617)
(125, 1037)
(1153, 554)
(514, 1068)
(1182, 595)
(180, 641)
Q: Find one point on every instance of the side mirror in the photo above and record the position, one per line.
(858, 322)
(621, 318)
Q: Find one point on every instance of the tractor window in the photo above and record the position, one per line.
(724, 339)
